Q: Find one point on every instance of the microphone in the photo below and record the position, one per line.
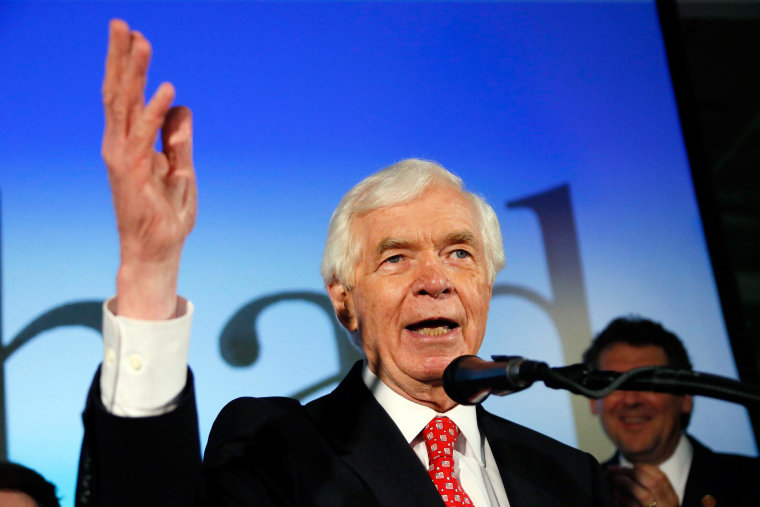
(469, 380)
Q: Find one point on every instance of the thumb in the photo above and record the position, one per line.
(177, 139)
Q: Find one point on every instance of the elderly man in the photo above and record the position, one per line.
(409, 266)
(656, 462)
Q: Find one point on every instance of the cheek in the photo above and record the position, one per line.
(376, 306)
(609, 404)
(481, 309)
(476, 295)
(486, 302)
(657, 402)
(362, 308)
(670, 407)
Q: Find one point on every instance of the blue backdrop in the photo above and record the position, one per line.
(560, 113)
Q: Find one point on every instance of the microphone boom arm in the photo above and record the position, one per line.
(584, 380)
(469, 380)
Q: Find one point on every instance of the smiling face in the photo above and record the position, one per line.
(644, 426)
(421, 291)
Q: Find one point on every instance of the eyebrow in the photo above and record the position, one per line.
(390, 244)
(464, 236)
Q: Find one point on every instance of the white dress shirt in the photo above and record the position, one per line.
(473, 460)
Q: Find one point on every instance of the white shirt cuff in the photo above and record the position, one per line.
(145, 362)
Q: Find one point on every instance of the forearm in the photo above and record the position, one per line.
(148, 461)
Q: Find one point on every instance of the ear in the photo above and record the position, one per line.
(594, 404)
(687, 404)
(343, 303)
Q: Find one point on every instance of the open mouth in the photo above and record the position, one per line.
(433, 327)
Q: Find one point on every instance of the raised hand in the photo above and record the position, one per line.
(154, 193)
(641, 486)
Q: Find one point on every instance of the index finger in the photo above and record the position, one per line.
(118, 52)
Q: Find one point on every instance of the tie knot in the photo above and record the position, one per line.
(440, 435)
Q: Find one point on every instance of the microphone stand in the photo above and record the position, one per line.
(584, 380)
(469, 380)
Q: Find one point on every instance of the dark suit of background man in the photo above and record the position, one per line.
(409, 266)
(656, 461)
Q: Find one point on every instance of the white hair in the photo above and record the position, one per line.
(394, 185)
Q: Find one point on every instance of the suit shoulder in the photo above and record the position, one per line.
(734, 469)
(730, 478)
(243, 418)
(248, 406)
(738, 459)
(726, 461)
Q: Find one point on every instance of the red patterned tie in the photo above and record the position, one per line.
(440, 435)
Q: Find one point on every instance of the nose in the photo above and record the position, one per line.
(630, 398)
(432, 281)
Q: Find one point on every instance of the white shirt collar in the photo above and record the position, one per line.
(411, 418)
(676, 467)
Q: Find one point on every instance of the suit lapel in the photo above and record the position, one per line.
(701, 477)
(515, 469)
(370, 443)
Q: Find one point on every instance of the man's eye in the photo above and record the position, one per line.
(460, 254)
(394, 259)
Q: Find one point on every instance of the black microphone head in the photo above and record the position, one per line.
(469, 380)
(459, 384)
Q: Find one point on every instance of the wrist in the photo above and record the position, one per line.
(147, 290)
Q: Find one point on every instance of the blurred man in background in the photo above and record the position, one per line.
(657, 463)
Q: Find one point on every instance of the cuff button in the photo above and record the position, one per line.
(135, 362)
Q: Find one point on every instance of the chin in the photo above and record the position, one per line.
(431, 368)
(637, 449)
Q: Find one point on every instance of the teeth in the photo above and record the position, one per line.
(433, 331)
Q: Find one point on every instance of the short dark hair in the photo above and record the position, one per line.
(639, 332)
(17, 477)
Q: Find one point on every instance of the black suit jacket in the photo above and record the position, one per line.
(731, 480)
(340, 450)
